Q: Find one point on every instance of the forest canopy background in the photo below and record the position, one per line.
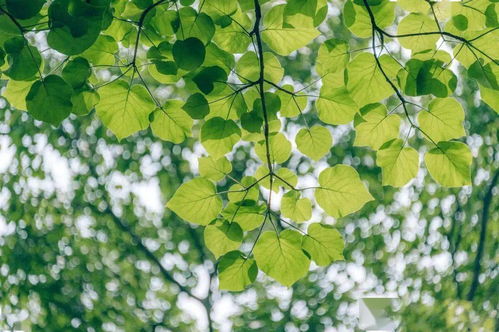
(334, 147)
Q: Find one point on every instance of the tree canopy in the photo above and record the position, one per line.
(303, 116)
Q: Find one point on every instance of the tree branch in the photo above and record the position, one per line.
(487, 199)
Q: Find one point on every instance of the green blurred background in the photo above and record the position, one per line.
(87, 245)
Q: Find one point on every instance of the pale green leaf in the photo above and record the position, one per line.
(417, 23)
(213, 168)
(296, 208)
(399, 164)
(247, 214)
(357, 20)
(218, 136)
(196, 201)
(124, 109)
(235, 272)
(324, 244)
(335, 106)
(222, 237)
(244, 190)
(375, 126)
(333, 56)
(341, 191)
(443, 120)
(15, 92)
(171, 123)
(366, 82)
(280, 256)
(314, 142)
(449, 164)
(291, 105)
(279, 146)
(248, 67)
(489, 96)
(286, 37)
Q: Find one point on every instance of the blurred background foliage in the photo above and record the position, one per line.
(87, 245)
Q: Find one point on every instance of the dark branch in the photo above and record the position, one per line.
(487, 199)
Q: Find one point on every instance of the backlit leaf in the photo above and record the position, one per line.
(280, 256)
(341, 191)
(194, 196)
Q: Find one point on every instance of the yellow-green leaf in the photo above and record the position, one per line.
(324, 244)
(196, 201)
(341, 191)
(314, 142)
(375, 127)
(280, 256)
(399, 164)
(443, 120)
(449, 164)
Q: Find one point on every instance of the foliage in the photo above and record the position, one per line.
(116, 52)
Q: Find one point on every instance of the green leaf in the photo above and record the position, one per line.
(222, 237)
(449, 164)
(124, 109)
(279, 146)
(8, 29)
(252, 121)
(286, 37)
(443, 120)
(75, 26)
(296, 208)
(24, 9)
(165, 72)
(235, 272)
(214, 169)
(317, 10)
(286, 177)
(15, 92)
(24, 60)
(280, 256)
(49, 100)
(490, 97)
(418, 24)
(171, 123)
(233, 38)
(189, 54)
(427, 77)
(84, 101)
(247, 214)
(76, 72)
(333, 56)
(375, 127)
(314, 142)
(248, 67)
(197, 106)
(193, 24)
(215, 56)
(208, 78)
(242, 192)
(399, 164)
(341, 191)
(486, 75)
(335, 106)
(102, 52)
(324, 244)
(165, 21)
(357, 20)
(218, 136)
(366, 82)
(196, 201)
(291, 105)
(217, 8)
